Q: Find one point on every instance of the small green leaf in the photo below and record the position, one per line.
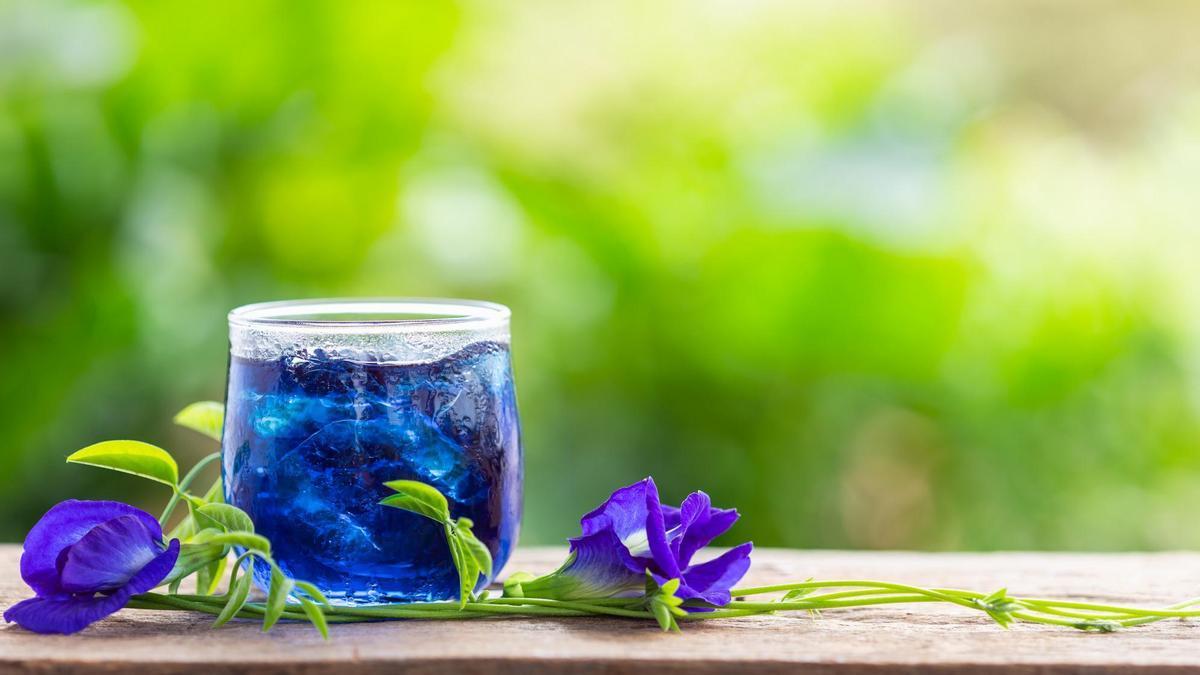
(666, 620)
(312, 591)
(477, 549)
(797, 593)
(1002, 618)
(316, 616)
(281, 587)
(187, 527)
(464, 562)
(206, 417)
(469, 555)
(236, 598)
(998, 606)
(135, 457)
(1001, 594)
(419, 498)
(513, 584)
(192, 558)
(215, 494)
(209, 576)
(228, 517)
(663, 603)
(247, 540)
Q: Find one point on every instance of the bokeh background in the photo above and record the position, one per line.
(879, 274)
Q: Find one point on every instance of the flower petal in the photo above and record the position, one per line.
(600, 566)
(153, 573)
(63, 613)
(108, 556)
(63, 525)
(624, 512)
(670, 516)
(656, 532)
(712, 580)
(699, 525)
(694, 507)
(604, 566)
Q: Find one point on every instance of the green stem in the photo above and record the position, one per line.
(863, 593)
(1131, 611)
(859, 583)
(720, 614)
(180, 489)
(248, 612)
(588, 607)
(807, 605)
(1040, 610)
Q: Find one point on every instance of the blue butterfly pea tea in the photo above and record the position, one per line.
(328, 400)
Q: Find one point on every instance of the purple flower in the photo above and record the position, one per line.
(633, 533)
(84, 560)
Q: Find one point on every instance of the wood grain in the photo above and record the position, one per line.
(896, 639)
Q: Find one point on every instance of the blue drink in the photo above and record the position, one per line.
(311, 437)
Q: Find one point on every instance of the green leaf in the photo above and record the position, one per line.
(999, 606)
(187, 527)
(663, 603)
(316, 616)
(247, 540)
(135, 457)
(514, 584)
(236, 597)
(312, 591)
(204, 579)
(666, 620)
(216, 493)
(477, 549)
(281, 587)
(470, 556)
(209, 576)
(1002, 618)
(797, 593)
(229, 517)
(464, 562)
(419, 498)
(192, 558)
(206, 417)
(1001, 594)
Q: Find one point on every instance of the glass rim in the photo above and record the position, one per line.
(440, 313)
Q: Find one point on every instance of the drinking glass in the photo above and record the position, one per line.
(329, 399)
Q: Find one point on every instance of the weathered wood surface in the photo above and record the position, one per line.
(900, 639)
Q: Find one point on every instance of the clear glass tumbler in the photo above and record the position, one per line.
(329, 399)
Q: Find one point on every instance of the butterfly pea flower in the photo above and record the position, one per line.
(84, 560)
(633, 534)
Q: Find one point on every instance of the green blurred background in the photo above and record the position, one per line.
(879, 274)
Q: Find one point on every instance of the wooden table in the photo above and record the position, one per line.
(899, 639)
